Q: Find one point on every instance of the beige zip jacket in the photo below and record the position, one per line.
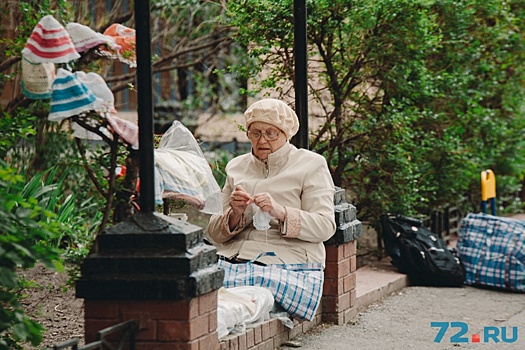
(299, 180)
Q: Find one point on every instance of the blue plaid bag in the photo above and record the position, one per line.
(298, 288)
(493, 251)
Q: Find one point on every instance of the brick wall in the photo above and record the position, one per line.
(268, 335)
(163, 324)
(186, 317)
(339, 293)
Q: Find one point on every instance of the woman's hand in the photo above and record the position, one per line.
(239, 200)
(266, 202)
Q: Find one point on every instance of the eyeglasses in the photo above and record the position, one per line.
(270, 135)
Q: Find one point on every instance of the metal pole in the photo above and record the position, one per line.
(145, 106)
(301, 139)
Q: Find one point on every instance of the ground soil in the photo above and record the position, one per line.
(50, 301)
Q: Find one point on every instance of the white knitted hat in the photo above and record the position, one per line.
(274, 112)
(37, 79)
(85, 38)
(100, 89)
(70, 97)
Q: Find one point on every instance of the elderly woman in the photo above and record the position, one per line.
(277, 198)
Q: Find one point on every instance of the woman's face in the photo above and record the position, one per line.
(261, 135)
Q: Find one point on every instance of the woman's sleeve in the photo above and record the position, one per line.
(218, 228)
(315, 221)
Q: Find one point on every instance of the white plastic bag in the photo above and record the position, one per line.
(241, 307)
(182, 171)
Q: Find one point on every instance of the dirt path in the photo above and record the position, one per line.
(49, 301)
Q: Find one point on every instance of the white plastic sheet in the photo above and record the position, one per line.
(241, 307)
(182, 171)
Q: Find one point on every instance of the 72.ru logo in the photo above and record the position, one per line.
(459, 333)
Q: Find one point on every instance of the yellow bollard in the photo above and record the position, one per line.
(488, 190)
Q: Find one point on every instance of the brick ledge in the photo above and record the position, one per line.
(373, 283)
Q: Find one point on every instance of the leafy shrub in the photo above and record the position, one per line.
(26, 227)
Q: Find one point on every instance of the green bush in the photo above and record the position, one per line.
(416, 97)
(26, 228)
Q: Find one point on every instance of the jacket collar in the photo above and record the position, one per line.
(277, 157)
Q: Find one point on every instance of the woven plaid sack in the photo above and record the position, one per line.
(298, 288)
(493, 251)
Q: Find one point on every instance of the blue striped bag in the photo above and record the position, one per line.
(298, 288)
(493, 251)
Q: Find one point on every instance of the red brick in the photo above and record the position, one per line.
(297, 330)
(335, 318)
(279, 339)
(234, 343)
(173, 331)
(332, 286)
(353, 263)
(265, 327)
(276, 326)
(147, 329)
(101, 309)
(350, 249)
(344, 301)
(209, 342)
(242, 341)
(267, 345)
(337, 304)
(92, 326)
(212, 317)
(330, 270)
(183, 330)
(330, 304)
(182, 310)
(167, 346)
(353, 297)
(192, 345)
(349, 282)
(337, 270)
(147, 326)
(334, 254)
(250, 338)
(307, 325)
(257, 334)
(208, 302)
(319, 312)
(200, 326)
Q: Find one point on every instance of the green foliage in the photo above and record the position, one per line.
(15, 131)
(23, 243)
(418, 97)
(218, 160)
(42, 222)
(78, 220)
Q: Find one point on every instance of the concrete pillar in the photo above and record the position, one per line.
(156, 270)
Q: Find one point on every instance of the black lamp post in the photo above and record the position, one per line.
(145, 106)
(301, 78)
